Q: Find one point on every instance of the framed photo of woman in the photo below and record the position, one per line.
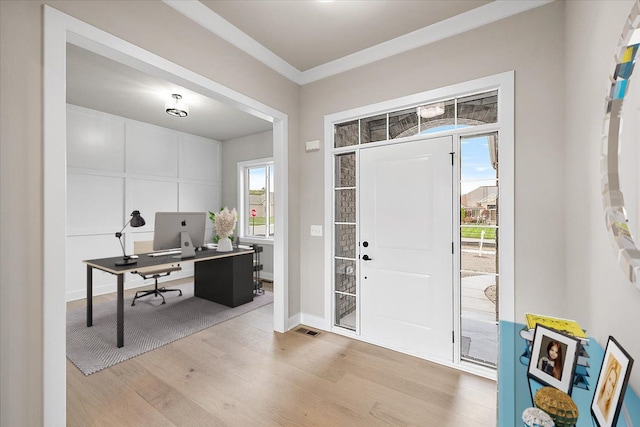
(553, 358)
(611, 385)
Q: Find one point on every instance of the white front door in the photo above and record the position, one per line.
(405, 248)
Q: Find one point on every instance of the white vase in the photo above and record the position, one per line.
(224, 245)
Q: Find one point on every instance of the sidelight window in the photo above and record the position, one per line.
(345, 266)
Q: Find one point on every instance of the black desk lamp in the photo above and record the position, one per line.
(135, 221)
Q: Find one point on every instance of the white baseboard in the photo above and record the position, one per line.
(293, 321)
(307, 320)
(266, 275)
(314, 321)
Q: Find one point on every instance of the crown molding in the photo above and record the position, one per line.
(472, 19)
(213, 22)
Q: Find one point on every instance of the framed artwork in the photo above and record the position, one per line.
(611, 385)
(553, 358)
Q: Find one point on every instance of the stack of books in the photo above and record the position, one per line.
(564, 326)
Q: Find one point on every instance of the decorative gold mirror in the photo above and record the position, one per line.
(620, 147)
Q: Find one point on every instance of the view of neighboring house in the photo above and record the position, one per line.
(258, 201)
(480, 206)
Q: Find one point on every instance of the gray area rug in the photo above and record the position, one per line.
(147, 326)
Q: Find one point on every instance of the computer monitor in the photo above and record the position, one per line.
(184, 230)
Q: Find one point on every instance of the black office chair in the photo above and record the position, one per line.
(153, 273)
(156, 274)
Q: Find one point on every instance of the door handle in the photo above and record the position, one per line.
(365, 257)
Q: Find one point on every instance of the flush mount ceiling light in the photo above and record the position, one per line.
(432, 110)
(176, 106)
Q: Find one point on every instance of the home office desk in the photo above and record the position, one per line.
(222, 277)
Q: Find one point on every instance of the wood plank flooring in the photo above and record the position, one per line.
(241, 373)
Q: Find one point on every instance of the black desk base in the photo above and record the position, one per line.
(224, 278)
(227, 281)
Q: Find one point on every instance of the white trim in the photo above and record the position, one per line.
(504, 82)
(54, 371)
(312, 321)
(60, 29)
(507, 180)
(472, 19)
(328, 222)
(294, 321)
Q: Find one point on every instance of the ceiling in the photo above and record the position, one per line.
(303, 40)
(102, 84)
(310, 33)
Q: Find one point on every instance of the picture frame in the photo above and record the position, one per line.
(553, 358)
(612, 384)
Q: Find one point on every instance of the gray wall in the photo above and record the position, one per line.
(250, 147)
(532, 44)
(599, 294)
(142, 23)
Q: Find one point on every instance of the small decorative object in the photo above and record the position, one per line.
(611, 385)
(570, 327)
(534, 417)
(553, 358)
(224, 222)
(558, 405)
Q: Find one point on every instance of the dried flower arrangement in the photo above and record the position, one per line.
(224, 222)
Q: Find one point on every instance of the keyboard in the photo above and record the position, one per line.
(178, 252)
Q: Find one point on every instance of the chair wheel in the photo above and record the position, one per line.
(164, 302)
(133, 303)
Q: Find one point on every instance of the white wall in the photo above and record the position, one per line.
(258, 146)
(116, 165)
(598, 293)
(532, 44)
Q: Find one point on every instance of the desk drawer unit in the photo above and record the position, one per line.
(227, 281)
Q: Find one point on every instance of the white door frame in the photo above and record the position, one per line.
(60, 29)
(504, 82)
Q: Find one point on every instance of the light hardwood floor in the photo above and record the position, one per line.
(241, 373)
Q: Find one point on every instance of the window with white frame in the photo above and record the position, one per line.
(256, 199)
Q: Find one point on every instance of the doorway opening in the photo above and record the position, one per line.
(60, 29)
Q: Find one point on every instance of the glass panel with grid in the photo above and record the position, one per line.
(345, 239)
(345, 205)
(373, 129)
(345, 170)
(479, 263)
(403, 123)
(345, 275)
(346, 134)
(478, 109)
(346, 310)
(437, 116)
(345, 263)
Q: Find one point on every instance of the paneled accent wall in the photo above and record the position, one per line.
(116, 165)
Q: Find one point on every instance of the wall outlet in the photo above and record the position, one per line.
(316, 230)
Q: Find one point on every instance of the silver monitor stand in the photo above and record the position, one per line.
(188, 251)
